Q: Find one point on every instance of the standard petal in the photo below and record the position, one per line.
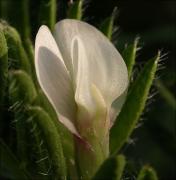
(106, 68)
(54, 78)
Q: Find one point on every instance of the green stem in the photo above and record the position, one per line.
(28, 46)
(75, 10)
(129, 55)
(90, 156)
(48, 13)
(21, 20)
(108, 24)
(23, 23)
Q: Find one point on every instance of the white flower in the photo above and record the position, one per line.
(83, 76)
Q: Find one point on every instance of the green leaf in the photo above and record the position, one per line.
(28, 46)
(21, 87)
(52, 140)
(129, 55)
(47, 14)
(147, 173)
(3, 67)
(111, 169)
(18, 58)
(133, 106)
(21, 93)
(21, 22)
(75, 10)
(107, 25)
(120, 166)
(10, 166)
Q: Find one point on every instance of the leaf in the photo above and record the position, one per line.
(75, 10)
(47, 14)
(147, 173)
(129, 55)
(17, 56)
(10, 166)
(29, 49)
(3, 67)
(107, 25)
(21, 87)
(120, 166)
(111, 169)
(52, 139)
(21, 93)
(133, 106)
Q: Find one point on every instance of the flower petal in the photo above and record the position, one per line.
(54, 78)
(81, 74)
(105, 67)
(116, 107)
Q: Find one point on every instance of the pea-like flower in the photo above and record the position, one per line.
(85, 79)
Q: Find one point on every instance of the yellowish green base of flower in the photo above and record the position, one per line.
(90, 157)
